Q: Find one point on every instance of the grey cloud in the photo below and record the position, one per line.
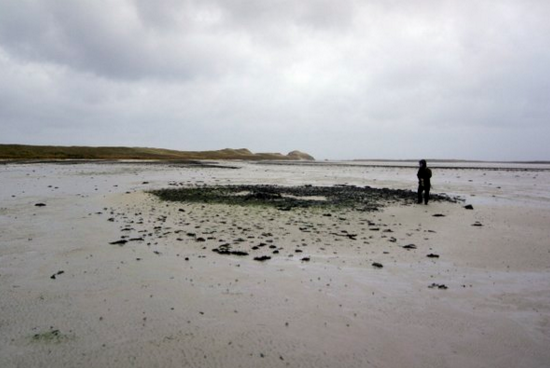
(339, 79)
(116, 40)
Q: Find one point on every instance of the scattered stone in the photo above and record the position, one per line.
(54, 276)
(438, 215)
(305, 259)
(351, 236)
(262, 258)
(409, 246)
(438, 286)
(431, 255)
(477, 223)
(40, 205)
(226, 250)
(377, 265)
(120, 242)
(239, 253)
(469, 207)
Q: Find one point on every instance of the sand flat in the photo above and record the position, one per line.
(70, 298)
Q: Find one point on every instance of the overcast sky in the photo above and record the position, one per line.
(338, 79)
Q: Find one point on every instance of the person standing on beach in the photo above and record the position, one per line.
(424, 175)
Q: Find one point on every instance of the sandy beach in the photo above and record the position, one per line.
(97, 272)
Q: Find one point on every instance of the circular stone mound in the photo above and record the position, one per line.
(286, 198)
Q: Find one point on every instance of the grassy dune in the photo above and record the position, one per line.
(26, 152)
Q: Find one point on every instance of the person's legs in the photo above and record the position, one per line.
(426, 195)
(420, 190)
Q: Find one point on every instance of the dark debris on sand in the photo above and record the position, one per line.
(286, 198)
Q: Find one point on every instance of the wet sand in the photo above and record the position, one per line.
(106, 275)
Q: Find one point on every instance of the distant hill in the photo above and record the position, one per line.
(27, 152)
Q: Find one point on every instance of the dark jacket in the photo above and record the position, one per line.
(424, 175)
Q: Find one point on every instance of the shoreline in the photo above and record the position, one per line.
(535, 166)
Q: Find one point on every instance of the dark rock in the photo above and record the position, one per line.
(377, 265)
(119, 242)
(477, 223)
(305, 259)
(438, 286)
(53, 277)
(409, 246)
(350, 236)
(40, 205)
(264, 196)
(238, 253)
(226, 250)
(469, 207)
(431, 255)
(438, 215)
(262, 258)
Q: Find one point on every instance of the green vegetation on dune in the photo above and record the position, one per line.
(27, 152)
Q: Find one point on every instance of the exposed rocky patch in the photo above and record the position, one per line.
(287, 198)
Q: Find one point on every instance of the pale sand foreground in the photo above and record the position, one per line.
(169, 301)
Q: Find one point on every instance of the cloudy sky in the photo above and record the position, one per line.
(338, 79)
